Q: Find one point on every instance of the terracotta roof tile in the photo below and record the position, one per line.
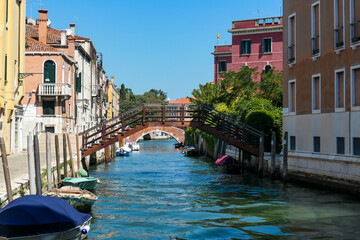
(181, 101)
(33, 45)
(53, 35)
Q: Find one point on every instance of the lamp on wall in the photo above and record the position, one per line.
(30, 95)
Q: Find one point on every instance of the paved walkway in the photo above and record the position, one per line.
(18, 165)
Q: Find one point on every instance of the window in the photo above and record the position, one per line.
(7, 12)
(316, 93)
(355, 86)
(339, 33)
(245, 47)
(356, 146)
(63, 106)
(354, 21)
(292, 38)
(78, 83)
(292, 143)
(340, 89)
(50, 129)
(316, 144)
(315, 28)
(266, 45)
(292, 96)
(222, 66)
(340, 145)
(5, 72)
(49, 71)
(48, 108)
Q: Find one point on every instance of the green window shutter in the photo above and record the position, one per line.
(48, 108)
(49, 71)
(249, 47)
(264, 46)
(225, 66)
(78, 83)
(242, 47)
(5, 69)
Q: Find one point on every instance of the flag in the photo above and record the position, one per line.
(218, 37)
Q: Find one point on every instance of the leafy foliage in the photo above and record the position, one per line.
(207, 94)
(271, 87)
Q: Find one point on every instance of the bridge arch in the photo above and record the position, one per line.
(177, 133)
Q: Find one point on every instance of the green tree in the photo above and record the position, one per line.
(207, 94)
(271, 87)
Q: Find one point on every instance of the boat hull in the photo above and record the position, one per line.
(89, 184)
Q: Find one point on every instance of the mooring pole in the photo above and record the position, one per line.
(273, 153)
(37, 165)
(78, 151)
(72, 163)
(48, 161)
(6, 170)
(285, 156)
(57, 154)
(261, 154)
(65, 156)
(31, 164)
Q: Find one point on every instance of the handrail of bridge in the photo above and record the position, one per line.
(206, 116)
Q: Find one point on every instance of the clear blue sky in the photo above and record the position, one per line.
(160, 44)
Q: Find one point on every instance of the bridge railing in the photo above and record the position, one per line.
(140, 115)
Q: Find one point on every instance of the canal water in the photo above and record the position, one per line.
(158, 193)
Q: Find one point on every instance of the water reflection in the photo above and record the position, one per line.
(160, 194)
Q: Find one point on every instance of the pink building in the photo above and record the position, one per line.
(255, 43)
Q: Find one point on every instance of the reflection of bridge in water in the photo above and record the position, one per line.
(172, 119)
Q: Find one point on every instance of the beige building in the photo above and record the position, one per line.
(12, 69)
(113, 99)
(322, 89)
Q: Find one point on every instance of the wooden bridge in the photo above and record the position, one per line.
(202, 117)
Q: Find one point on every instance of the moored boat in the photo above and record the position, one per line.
(87, 183)
(123, 151)
(80, 199)
(40, 217)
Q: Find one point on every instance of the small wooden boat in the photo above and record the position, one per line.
(87, 183)
(123, 151)
(80, 199)
(189, 151)
(133, 146)
(178, 145)
(35, 217)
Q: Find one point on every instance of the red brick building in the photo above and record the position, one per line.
(255, 43)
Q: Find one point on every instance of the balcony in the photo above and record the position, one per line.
(291, 54)
(355, 32)
(315, 41)
(54, 90)
(339, 41)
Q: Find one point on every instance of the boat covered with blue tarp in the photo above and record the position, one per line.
(34, 217)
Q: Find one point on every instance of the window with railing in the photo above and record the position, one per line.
(315, 28)
(291, 38)
(339, 23)
(355, 21)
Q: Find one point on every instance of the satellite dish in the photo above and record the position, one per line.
(48, 23)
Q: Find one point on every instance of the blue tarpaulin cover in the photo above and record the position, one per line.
(34, 214)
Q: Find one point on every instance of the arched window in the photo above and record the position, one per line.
(49, 71)
(266, 68)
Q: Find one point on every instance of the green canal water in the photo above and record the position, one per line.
(158, 193)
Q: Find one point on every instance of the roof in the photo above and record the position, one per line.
(32, 45)
(181, 101)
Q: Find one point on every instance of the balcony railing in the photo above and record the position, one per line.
(54, 89)
(339, 41)
(355, 35)
(291, 55)
(315, 45)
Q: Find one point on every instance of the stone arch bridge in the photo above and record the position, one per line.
(177, 133)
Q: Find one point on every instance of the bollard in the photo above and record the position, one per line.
(6, 170)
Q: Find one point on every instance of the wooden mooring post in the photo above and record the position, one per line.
(261, 154)
(285, 156)
(37, 165)
(6, 170)
(72, 163)
(31, 164)
(57, 154)
(273, 153)
(78, 152)
(48, 161)
(65, 156)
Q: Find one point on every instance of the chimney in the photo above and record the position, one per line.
(43, 25)
(63, 37)
(112, 78)
(72, 28)
(71, 46)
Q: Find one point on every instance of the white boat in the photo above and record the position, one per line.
(133, 146)
(123, 151)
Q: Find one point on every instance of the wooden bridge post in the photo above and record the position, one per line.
(122, 124)
(285, 156)
(182, 114)
(103, 133)
(143, 116)
(163, 113)
(216, 152)
(273, 153)
(201, 119)
(261, 154)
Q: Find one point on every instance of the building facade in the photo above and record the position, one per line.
(255, 43)
(12, 69)
(113, 99)
(321, 81)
